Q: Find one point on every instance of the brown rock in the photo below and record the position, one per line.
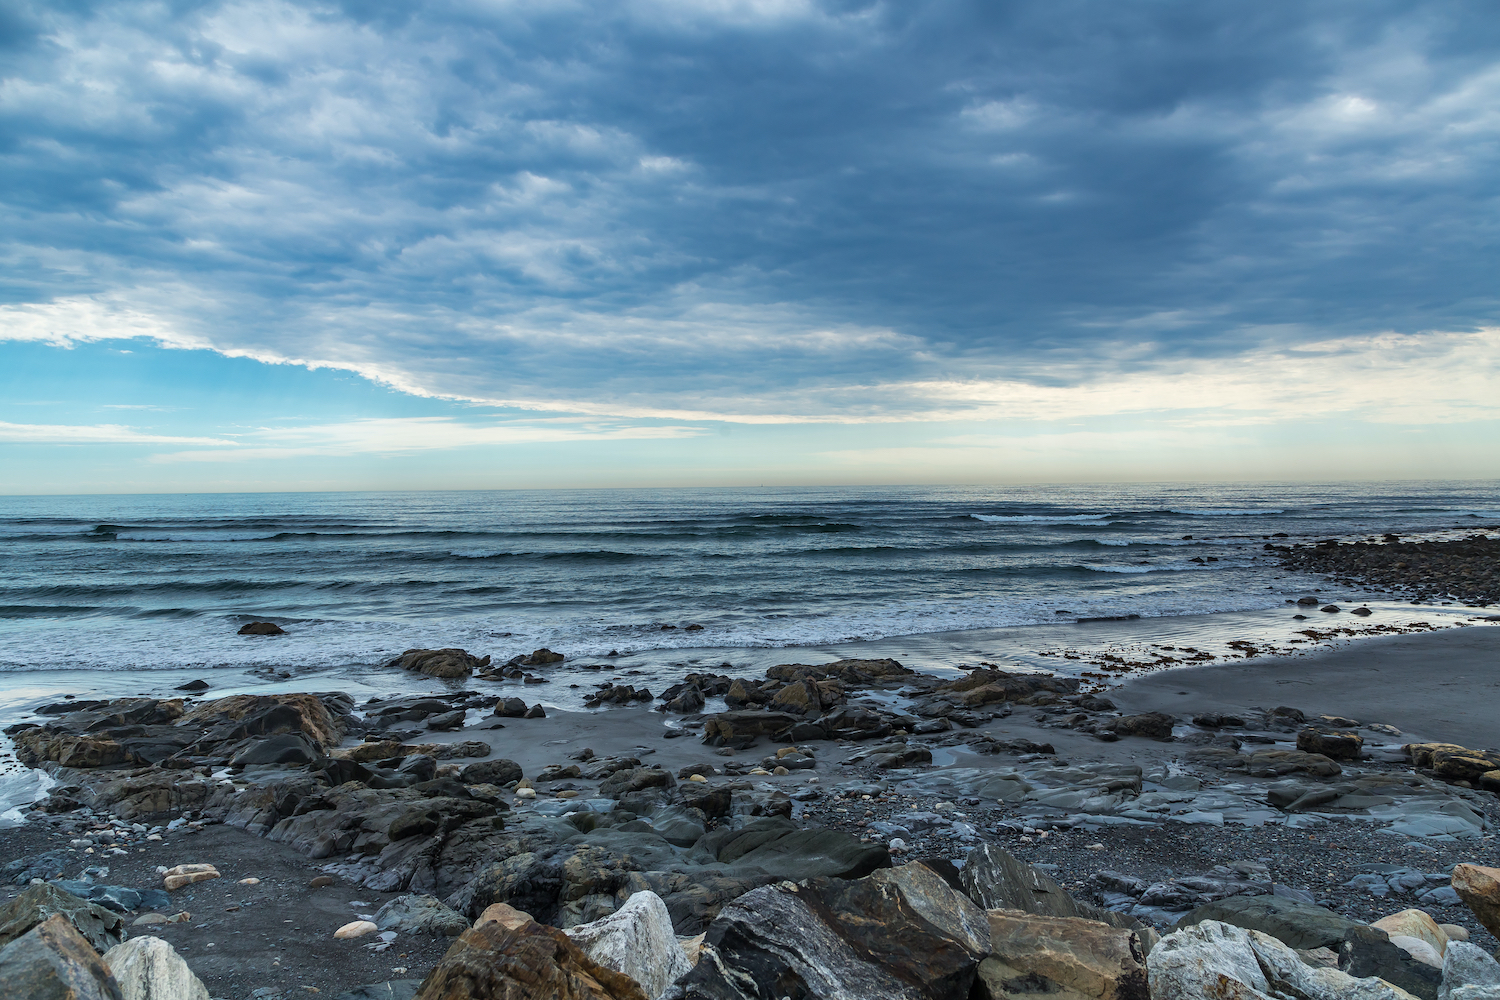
(505, 915)
(267, 715)
(542, 657)
(52, 961)
(1035, 955)
(528, 962)
(101, 928)
(34, 746)
(262, 628)
(1451, 761)
(729, 725)
(1331, 744)
(440, 662)
(1479, 888)
(1156, 725)
(801, 698)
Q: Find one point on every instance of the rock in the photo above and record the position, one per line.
(284, 748)
(529, 962)
(510, 708)
(321, 881)
(1157, 725)
(1217, 960)
(503, 914)
(193, 686)
(799, 698)
(899, 933)
(440, 662)
(146, 919)
(491, 772)
(689, 700)
(53, 962)
(1418, 949)
(240, 716)
(35, 746)
(1415, 924)
(637, 940)
(1334, 745)
(98, 926)
(1366, 951)
(182, 875)
(635, 779)
(394, 989)
(1450, 761)
(148, 968)
(355, 929)
(1479, 888)
(1454, 932)
(542, 657)
(262, 628)
(1031, 955)
(418, 914)
(996, 880)
(1467, 965)
(535, 712)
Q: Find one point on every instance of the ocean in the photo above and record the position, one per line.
(143, 583)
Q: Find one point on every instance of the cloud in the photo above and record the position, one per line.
(94, 434)
(407, 435)
(773, 210)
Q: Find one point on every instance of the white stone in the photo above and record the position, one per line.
(1418, 949)
(355, 928)
(1213, 959)
(148, 968)
(637, 940)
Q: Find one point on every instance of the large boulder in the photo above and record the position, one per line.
(1046, 956)
(38, 903)
(37, 746)
(440, 662)
(1156, 725)
(241, 716)
(637, 940)
(1218, 961)
(530, 961)
(1451, 761)
(1479, 888)
(899, 933)
(746, 722)
(148, 968)
(53, 962)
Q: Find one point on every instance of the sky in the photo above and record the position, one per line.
(512, 243)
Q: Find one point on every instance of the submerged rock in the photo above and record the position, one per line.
(440, 662)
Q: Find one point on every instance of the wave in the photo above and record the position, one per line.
(1041, 518)
(1227, 512)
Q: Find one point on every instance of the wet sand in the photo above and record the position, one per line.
(1441, 686)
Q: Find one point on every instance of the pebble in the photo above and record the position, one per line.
(150, 918)
(525, 793)
(249, 881)
(698, 777)
(321, 881)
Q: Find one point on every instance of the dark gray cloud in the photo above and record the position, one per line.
(747, 202)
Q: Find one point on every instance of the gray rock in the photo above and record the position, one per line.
(637, 939)
(995, 880)
(900, 934)
(491, 772)
(52, 961)
(1465, 964)
(98, 926)
(418, 914)
(396, 989)
(148, 968)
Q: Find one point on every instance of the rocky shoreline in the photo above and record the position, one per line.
(1463, 570)
(850, 828)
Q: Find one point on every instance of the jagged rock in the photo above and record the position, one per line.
(35, 746)
(689, 700)
(1032, 955)
(285, 748)
(1367, 951)
(503, 914)
(799, 698)
(1156, 725)
(635, 779)
(1334, 745)
(419, 914)
(996, 880)
(261, 628)
(1479, 888)
(636, 940)
(535, 712)
(491, 772)
(987, 686)
(1466, 965)
(899, 933)
(241, 716)
(542, 657)
(529, 962)
(440, 662)
(38, 903)
(148, 968)
(394, 989)
(53, 962)
(1217, 960)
